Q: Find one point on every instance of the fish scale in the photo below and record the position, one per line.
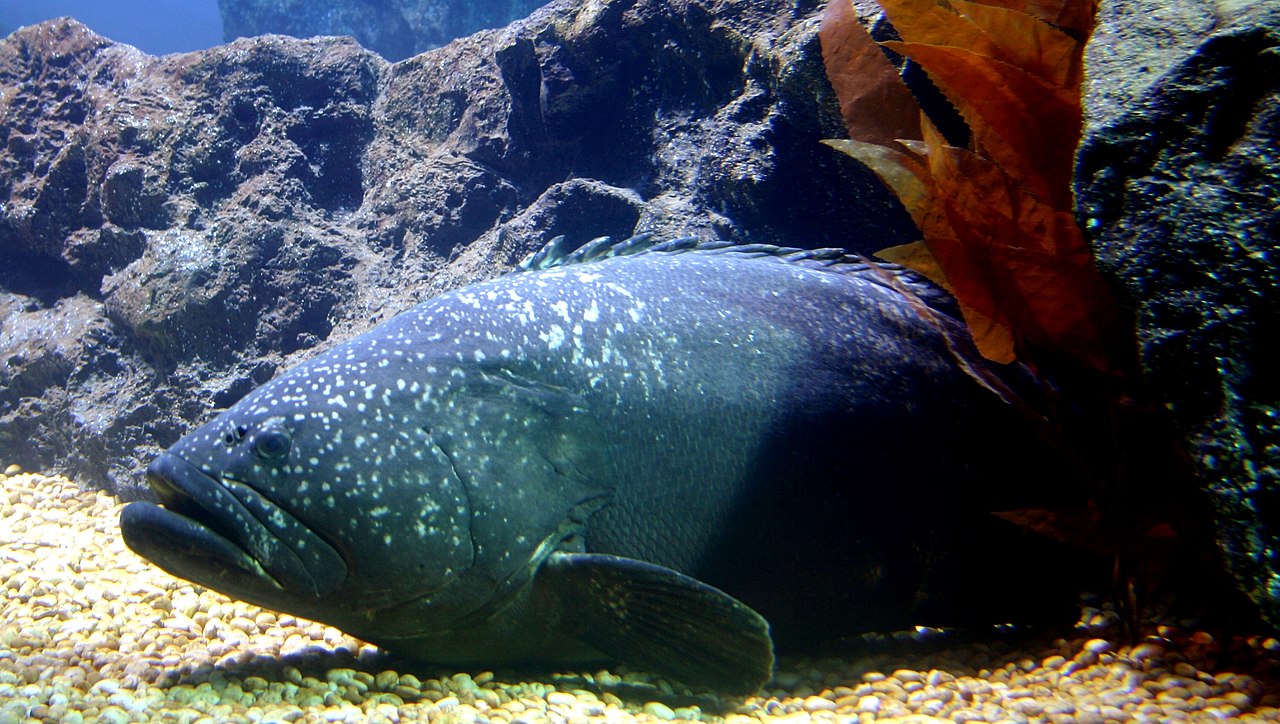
(673, 454)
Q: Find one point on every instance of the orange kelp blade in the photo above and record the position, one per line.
(1024, 124)
(1009, 36)
(874, 102)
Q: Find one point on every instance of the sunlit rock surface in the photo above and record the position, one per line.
(395, 29)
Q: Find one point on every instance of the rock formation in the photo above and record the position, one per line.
(395, 29)
(177, 229)
(1178, 186)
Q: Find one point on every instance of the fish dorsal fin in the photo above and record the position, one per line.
(837, 261)
(556, 253)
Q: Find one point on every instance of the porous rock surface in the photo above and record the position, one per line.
(175, 230)
(395, 29)
(1178, 186)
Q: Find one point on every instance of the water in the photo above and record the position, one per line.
(153, 26)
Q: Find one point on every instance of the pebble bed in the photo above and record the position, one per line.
(89, 632)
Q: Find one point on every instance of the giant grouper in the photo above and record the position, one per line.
(673, 455)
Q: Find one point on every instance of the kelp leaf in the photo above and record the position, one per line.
(1025, 42)
(1046, 296)
(1074, 15)
(916, 257)
(1016, 261)
(875, 104)
(999, 33)
(934, 23)
(895, 169)
(986, 195)
(910, 181)
(993, 338)
(996, 220)
(996, 100)
(1086, 527)
(974, 284)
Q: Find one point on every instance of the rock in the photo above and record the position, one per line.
(177, 229)
(1177, 183)
(395, 29)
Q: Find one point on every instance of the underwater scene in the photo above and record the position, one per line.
(625, 360)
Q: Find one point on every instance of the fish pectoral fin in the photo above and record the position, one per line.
(655, 618)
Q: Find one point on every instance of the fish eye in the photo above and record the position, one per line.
(271, 444)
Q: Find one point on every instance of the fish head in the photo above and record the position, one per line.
(300, 505)
(423, 502)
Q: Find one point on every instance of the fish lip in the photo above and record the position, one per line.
(173, 485)
(190, 550)
(226, 514)
(185, 490)
(177, 535)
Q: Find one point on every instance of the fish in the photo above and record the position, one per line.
(680, 455)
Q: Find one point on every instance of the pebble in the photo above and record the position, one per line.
(659, 710)
(561, 698)
(130, 643)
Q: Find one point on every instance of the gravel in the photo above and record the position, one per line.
(90, 632)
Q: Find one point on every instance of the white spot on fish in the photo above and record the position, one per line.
(554, 337)
(562, 307)
(616, 287)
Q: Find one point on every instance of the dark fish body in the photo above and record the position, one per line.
(628, 454)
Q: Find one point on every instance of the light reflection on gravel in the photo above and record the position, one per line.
(90, 632)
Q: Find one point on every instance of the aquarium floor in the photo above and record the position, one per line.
(90, 632)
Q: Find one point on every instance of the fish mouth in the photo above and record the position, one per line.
(223, 534)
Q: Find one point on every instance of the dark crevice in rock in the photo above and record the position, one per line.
(34, 274)
(1249, 70)
(333, 147)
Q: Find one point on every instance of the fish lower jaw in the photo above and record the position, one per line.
(187, 548)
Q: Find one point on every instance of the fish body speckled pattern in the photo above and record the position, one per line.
(673, 455)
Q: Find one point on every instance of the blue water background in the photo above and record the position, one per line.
(153, 26)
